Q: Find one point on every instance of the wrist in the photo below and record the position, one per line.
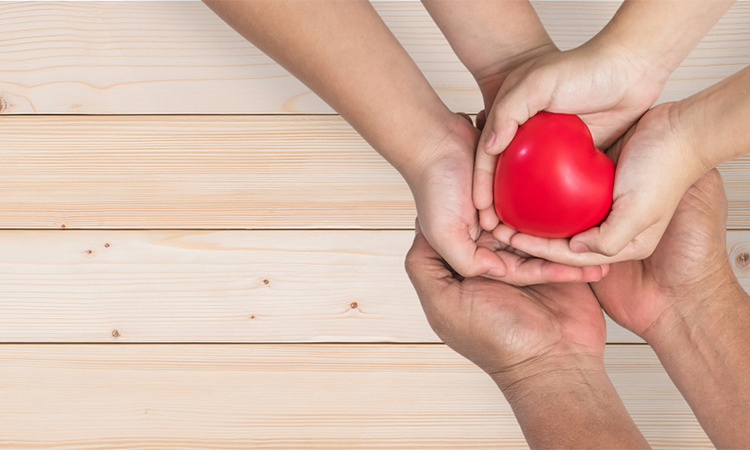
(569, 403)
(700, 317)
(449, 137)
(714, 121)
(490, 77)
(641, 69)
(533, 377)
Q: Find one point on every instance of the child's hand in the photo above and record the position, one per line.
(448, 219)
(606, 86)
(655, 169)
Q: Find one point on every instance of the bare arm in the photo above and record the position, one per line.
(343, 51)
(704, 344)
(490, 37)
(573, 405)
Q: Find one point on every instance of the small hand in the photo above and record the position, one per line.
(609, 88)
(655, 168)
(507, 331)
(442, 192)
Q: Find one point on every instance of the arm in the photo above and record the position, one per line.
(662, 32)
(704, 344)
(345, 53)
(715, 123)
(571, 404)
(490, 37)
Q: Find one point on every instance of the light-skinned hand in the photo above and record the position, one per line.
(608, 87)
(449, 221)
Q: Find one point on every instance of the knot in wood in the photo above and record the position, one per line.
(740, 257)
(3, 105)
(115, 333)
(353, 305)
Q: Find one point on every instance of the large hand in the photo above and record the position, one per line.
(608, 87)
(543, 346)
(503, 328)
(655, 168)
(442, 192)
(689, 263)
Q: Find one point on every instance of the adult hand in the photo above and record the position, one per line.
(685, 301)
(543, 345)
(689, 263)
(442, 192)
(504, 328)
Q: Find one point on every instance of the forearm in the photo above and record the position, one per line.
(705, 349)
(571, 407)
(715, 123)
(344, 52)
(490, 37)
(663, 32)
(487, 35)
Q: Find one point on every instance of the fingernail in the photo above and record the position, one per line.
(490, 141)
(499, 273)
(579, 247)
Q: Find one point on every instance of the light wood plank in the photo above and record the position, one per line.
(228, 286)
(178, 57)
(231, 286)
(290, 397)
(214, 172)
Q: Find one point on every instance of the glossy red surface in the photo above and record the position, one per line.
(551, 181)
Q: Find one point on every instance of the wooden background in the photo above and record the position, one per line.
(195, 252)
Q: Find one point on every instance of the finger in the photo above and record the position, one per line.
(468, 259)
(524, 270)
(511, 109)
(488, 219)
(610, 238)
(557, 250)
(426, 269)
(481, 119)
(484, 180)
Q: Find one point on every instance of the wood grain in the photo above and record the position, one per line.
(228, 286)
(158, 172)
(178, 57)
(290, 397)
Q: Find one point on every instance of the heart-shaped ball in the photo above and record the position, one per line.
(551, 181)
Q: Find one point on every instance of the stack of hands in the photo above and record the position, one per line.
(657, 265)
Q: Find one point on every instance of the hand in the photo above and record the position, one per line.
(607, 86)
(442, 192)
(507, 331)
(543, 346)
(655, 168)
(689, 264)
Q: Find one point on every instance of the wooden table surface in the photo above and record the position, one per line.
(196, 252)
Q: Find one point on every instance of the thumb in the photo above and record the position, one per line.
(513, 106)
(426, 269)
(611, 237)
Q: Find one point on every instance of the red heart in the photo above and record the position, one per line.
(551, 181)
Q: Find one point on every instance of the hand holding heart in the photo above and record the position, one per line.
(442, 193)
(607, 90)
(653, 173)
